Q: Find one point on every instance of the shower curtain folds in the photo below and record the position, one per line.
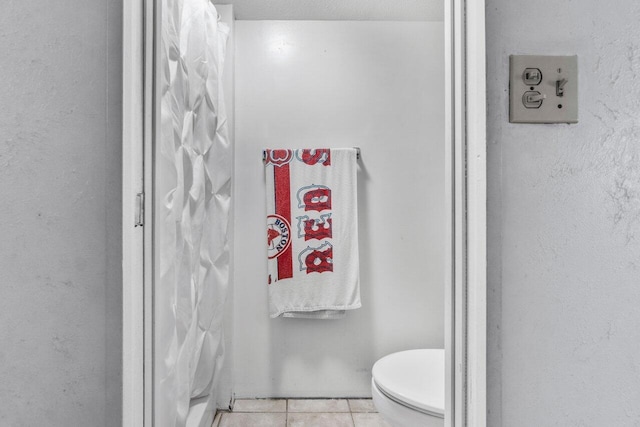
(193, 182)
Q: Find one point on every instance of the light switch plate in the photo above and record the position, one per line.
(543, 89)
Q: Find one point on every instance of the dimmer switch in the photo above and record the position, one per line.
(543, 89)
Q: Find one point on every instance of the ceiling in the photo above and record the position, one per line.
(369, 10)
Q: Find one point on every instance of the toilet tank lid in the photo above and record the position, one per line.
(414, 377)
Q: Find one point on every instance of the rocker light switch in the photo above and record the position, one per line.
(543, 89)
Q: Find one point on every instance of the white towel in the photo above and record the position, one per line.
(312, 232)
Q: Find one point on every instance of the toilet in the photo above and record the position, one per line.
(408, 388)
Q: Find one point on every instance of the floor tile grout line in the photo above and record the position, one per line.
(287, 411)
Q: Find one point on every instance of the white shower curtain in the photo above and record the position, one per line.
(193, 183)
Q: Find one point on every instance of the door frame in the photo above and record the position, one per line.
(137, 211)
(133, 113)
(465, 284)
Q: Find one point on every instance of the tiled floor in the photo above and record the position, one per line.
(301, 413)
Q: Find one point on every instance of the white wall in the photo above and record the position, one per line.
(381, 10)
(564, 223)
(60, 214)
(379, 86)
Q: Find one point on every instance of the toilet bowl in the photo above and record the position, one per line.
(408, 388)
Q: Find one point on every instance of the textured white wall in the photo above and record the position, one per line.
(396, 10)
(60, 214)
(376, 85)
(564, 223)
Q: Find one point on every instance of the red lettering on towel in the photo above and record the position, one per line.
(314, 198)
(315, 216)
(318, 155)
(318, 260)
(318, 229)
(278, 236)
(278, 157)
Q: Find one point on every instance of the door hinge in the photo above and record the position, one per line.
(139, 220)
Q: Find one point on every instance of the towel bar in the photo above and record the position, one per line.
(264, 154)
